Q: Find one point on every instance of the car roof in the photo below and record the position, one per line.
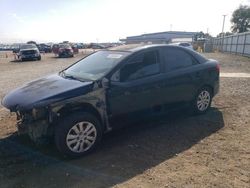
(147, 47)
(27, 49)
(138, 47)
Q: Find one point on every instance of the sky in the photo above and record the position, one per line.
(109, 20)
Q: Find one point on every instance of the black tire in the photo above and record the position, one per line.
(197, 108)
(65, 127)
(39, 58)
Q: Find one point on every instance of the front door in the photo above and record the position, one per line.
(133, 86)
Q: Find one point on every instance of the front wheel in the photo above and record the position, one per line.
(78, 134)
(202, 100)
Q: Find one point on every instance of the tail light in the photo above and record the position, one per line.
(218, 67)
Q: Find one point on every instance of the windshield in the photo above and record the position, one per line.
(95, 65)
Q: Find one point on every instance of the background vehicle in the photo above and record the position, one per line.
(109, 89)
(81, 45)
(28, 52)
(16, 47)
(184, 44)
(96, 46)
(55, 48)
(75, 48)
(63, 50)
(44, 48)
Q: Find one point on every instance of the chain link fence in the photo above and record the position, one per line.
(236, 44)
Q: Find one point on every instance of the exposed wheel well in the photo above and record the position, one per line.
(84, 107)
(210, 87)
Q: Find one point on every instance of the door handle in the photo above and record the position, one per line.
(198, 74)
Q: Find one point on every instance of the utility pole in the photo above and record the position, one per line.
(224, 17)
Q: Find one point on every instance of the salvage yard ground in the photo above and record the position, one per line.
(211, 150)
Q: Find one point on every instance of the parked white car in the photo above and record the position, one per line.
(184, 44)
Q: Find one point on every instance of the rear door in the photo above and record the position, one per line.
(181, 74)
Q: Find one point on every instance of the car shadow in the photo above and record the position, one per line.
(19, 61)
(15, 61)
(61, 57)
(123, 153)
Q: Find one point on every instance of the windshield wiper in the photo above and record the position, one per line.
(71, 77)
(68, 76)
(63, 74)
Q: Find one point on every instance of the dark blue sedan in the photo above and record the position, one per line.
(110, 88)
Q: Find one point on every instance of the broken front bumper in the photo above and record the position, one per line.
(36, 128)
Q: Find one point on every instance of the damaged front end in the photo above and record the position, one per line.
(36, 123)
(41, 104)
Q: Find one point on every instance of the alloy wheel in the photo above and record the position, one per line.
(81, 137)
(203, 100)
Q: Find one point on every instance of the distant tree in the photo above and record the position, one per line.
(241, 19)
(225, 34)
(220, 35)
(208, 36)
(228, 33)
(31, 42)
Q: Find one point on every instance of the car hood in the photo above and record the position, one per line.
(45, 91)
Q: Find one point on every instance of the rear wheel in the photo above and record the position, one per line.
(78, 134)
(203, 100)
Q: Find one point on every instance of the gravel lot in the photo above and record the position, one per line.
(211, 150)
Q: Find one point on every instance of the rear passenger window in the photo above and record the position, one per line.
(176, 59)
(142, 65)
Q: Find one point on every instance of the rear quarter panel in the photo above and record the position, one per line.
(209, 75)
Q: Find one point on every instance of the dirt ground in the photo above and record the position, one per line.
(211, 150)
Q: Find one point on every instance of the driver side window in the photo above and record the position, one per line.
(142, 65)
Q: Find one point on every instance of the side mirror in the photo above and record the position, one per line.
(105, 83)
